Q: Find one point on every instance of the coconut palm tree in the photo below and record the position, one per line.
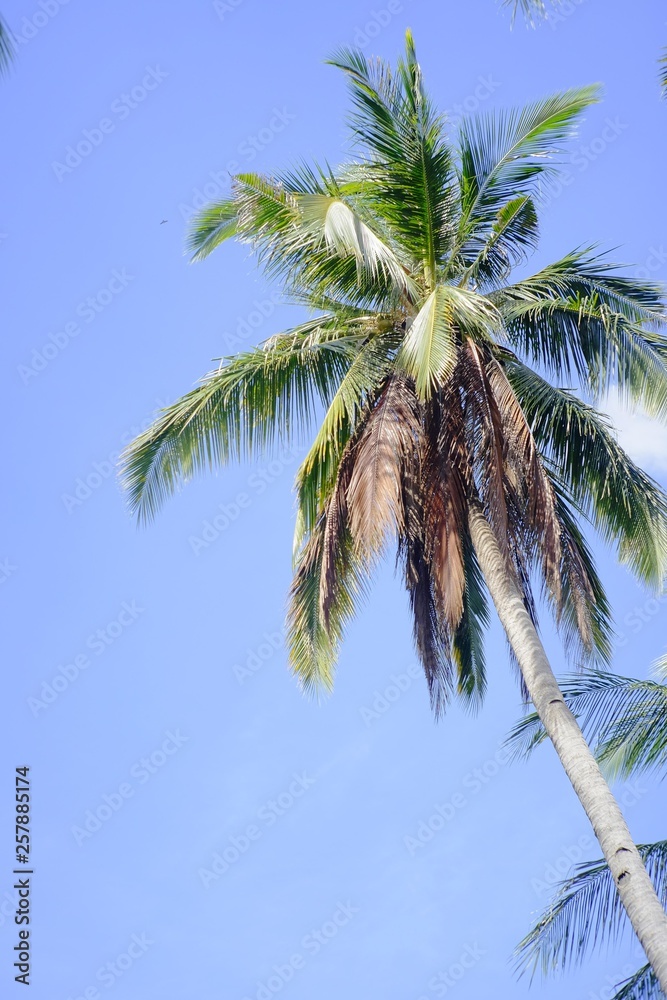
(428, 368)
(627, 721)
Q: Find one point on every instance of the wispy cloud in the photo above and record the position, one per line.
(644, 439)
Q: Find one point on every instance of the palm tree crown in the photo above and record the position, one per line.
(434, 369)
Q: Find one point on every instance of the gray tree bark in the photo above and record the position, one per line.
(630, 876)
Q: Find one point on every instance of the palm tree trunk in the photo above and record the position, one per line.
(630, 877)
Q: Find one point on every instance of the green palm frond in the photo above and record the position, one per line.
(512, 237)
(429, 350)
(211, 227)
(584, 617)
(314, 240)
(577, 315)
(625, 718)
(240, 410)
(312, 640)
(585, 271)
(502, 156)
(625, 504)
(585, 910)
(636, 739)
(409, 168)
(331, 221)
(643, 985)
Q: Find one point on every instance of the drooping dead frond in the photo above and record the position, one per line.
(531, 482)
(432, 639)
(336, 532)
(486, 442)
(446, 486)
(389, 439)
(584, 617)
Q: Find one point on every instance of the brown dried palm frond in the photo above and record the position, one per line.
(387, 442)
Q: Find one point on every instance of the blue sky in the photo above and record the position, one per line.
(175, 718)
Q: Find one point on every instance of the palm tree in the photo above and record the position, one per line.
(627, 720)
(440, 429)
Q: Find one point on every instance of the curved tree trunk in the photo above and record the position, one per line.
(630, 877)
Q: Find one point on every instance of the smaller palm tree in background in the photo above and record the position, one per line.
(627, 719)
